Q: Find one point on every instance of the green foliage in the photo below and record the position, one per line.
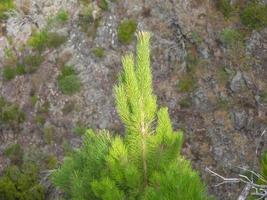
(254, 15)
(20, 69)
(32, 62)
(264, 165)
(126, 31)
(185, 102)
(40, 119)
(80, 129)
(103, 4)
(14, 153)
(5, 6)
(9, 73)
(48, 135)
(231, 37)
(38, 40)
(98, 52)
(62, 16)
(55, 40)
(187, 83)
(34, 99)
(44, 39)
(68, 81)
(21, 183)
(225, 7)
(146, 163)
(222, 75)
(51, 162)
(196, 38)
(87, 21)
(10, 113)
(263, 97)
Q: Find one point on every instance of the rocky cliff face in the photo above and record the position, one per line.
(216, 94)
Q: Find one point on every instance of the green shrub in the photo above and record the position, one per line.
(9, 73)
(10, 113)
(80, 129)
(186, 102)
(20, 69)
(68, 81)
(103, 4)
(66, 71)
(187, 83)
(62, 16)
(5, 6)
(144, 164)
(263, 165)
(87, 22)
(32, 62)
(14, 153)
(222, 75)
(44, 39)
(55, 40)
(51, 162)
(69, 85)
(34, 99)
(48, 135)
(225, 7)
(126, 31)
(40, 119)
(223, 104)
(231, 37)
(98, 52)
(263, 97)
(38, 40)
(254, 15)
(21, 183)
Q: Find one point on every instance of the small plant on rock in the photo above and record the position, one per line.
(231, 37)
(103, 4)
(99, 52)
(32, 62)
(68, 81)
(254, 15)
(62, 16)
(9, 73)
(126, 31)
(5, 6)
(20, 183)
(225, 7)
(38, 40)
(10, 113)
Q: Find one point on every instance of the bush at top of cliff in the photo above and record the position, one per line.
(254, 15)
(5, 6)
(126, 31)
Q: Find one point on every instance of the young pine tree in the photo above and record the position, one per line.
(146, 163)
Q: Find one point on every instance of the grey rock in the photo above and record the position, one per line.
(203, 51)
(240, 119)
(200, 100)
(237, 82)
(3, 44)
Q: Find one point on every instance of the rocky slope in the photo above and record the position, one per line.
(217, 95)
